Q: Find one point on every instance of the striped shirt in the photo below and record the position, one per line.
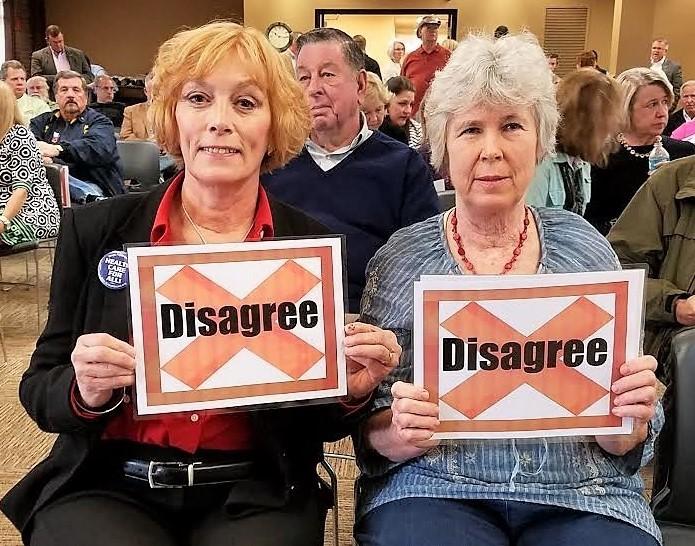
(569, 472)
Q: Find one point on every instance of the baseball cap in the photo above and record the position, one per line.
(427, 20)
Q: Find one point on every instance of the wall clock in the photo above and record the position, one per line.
(279, 35)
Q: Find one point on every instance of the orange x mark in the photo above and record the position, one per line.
(205, 355)
(566, 386)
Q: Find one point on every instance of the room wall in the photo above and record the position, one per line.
(472, 14)
(634, 36)
(673, 20)
(123, 37)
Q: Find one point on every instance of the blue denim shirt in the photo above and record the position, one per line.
(547, 188)
(570, 472)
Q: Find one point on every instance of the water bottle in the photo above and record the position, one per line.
(657, 156)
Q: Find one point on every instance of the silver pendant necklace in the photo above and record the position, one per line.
(197, 229)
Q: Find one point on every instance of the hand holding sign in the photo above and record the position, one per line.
(102, 363)
(371, 355)
(414, 418)
(637, 398)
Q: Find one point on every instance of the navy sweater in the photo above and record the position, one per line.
(379, 188)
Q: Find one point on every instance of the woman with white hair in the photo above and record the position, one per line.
(396, 52)
(648, 97)
(491, 118)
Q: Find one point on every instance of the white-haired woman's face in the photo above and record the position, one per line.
(492, 155)
(398, 52)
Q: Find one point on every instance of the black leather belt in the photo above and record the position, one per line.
(161, 475)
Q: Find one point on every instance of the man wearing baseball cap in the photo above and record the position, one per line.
(420, 65)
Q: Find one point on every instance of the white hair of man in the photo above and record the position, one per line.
(511, 70)
(634, 79)
(689, 83)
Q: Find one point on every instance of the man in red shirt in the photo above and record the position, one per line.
(420, 65)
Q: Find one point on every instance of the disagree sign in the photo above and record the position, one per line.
(220, 326)
(526, 356)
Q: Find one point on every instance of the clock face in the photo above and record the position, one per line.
(279, 36)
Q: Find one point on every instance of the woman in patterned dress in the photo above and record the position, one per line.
(28, 208)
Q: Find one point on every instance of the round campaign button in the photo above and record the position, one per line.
(113, 270)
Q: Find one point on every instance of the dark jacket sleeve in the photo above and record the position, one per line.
(85, 68)
(97, 147)
(45, 387)
(36, 126)
(36, 66)
(420, 199)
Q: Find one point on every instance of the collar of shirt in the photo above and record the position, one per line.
(686, 117)
(262, 227)
(327, 160)
(60, 60)
(421, 50)
(658, 64)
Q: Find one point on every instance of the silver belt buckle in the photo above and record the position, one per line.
(189, 468)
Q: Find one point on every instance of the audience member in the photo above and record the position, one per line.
(356, 181)
(136, 126)
(398, 123)
(420, 65)
(501, 30)
(687, 112)
(246, 477)
(37, 86)
(80, 138)
(647, 100)
(586, 59)
(105, 90)
(671, 69)
(450, 44)
(491, 117)
(373, 105)
(395, 52)
(14, 75)
(598, 67)
(370, 65)
(57, 57)
(657, 228)
(591, 114)
(291, 52)
(28, 208)
(553, 60)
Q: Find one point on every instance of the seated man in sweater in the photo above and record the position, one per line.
(358, 182)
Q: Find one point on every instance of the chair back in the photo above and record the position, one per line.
(59, 180)
(447, 199)
(679, 505)
(140, 160)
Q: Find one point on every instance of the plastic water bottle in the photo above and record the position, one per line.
(657, 156)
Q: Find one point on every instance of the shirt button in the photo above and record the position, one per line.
(195, 417)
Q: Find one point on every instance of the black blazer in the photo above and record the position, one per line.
(675, 120)
(289, 440)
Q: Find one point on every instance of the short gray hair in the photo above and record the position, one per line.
(689, 83)
(634, 79)
(351, 51)
(511, 70)
(68, 75)
(103, 78)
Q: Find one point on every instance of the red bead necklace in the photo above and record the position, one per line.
(515, 255)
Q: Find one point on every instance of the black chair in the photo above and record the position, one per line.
(674, 506)
(140, 160)
(447, 200)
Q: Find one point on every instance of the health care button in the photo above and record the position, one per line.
(113, 270)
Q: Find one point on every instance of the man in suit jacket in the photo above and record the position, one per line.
(50, 60)
(135, 125)
(685, 114)
(671, 69)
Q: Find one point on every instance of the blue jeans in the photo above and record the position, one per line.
(80, 190)
(450, 522)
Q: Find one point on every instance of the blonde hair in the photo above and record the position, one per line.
(376, 91)
(590, 104)
(192, 54)
(634, 79)
(9, 110)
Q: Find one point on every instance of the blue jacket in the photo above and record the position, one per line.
(89, 147)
